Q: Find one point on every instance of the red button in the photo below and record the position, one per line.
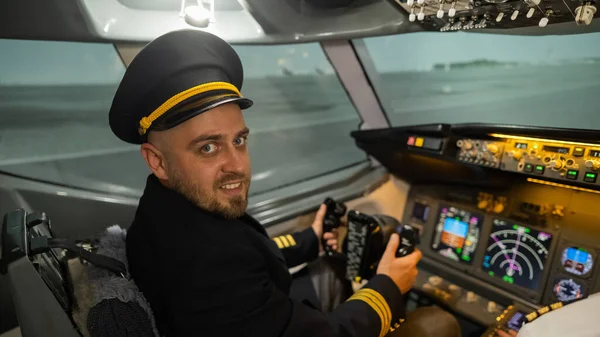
(411, 141)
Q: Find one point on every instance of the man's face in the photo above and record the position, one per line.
(206, 160)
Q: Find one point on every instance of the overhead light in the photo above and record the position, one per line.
(197, 15)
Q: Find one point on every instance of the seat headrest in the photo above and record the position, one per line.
(106, 304)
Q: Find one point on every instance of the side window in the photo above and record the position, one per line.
(432, 77)
(55, 98)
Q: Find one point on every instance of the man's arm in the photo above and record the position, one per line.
(304, 246)
(232, 293)
(299, 247)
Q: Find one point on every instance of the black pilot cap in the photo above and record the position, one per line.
(175, 77)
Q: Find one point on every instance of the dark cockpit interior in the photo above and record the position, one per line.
(473, 121)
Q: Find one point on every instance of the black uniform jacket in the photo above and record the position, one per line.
(205, 275)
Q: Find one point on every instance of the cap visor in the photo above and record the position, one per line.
(172, 119)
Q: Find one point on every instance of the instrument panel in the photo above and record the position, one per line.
(456, 15)
(479, 261)
(571, 162)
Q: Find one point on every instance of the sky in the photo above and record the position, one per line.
(43, 62)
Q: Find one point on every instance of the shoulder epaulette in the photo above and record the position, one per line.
(542, 311)
(284, 241)
(376, 301)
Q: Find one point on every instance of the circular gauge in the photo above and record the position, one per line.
(577, 261)
(567, 290)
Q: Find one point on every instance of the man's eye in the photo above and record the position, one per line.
(209, 148)
(240, 141)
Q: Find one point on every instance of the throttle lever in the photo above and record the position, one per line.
(333, 215)
(409, 237)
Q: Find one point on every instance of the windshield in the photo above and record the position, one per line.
(55, 97)
(551, 81)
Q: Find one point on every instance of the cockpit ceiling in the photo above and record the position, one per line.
(287, 21)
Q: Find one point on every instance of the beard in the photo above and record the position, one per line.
(233, 208)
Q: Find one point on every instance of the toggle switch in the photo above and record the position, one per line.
(421, 15)
(530, 12)
(452, 11)
(514, 15)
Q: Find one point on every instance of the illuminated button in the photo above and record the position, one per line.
(539, 169)
(528, 168)
(590, 177)
(411, 141)
(578, 152)
(572, 174)
(419, 142)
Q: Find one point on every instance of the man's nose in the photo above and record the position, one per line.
(234, 161)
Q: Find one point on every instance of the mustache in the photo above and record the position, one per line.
(231, 177)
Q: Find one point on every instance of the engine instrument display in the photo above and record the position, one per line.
(568, 290)
(577, 261)
(516, 254)
(456, 234)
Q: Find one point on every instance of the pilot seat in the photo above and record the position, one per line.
(63, 289)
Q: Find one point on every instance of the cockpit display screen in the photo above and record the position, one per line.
(577, 261)
(517, 254)
(456, 234)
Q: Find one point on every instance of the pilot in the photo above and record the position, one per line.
(206, 267)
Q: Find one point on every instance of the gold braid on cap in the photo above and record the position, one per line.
(146, 122)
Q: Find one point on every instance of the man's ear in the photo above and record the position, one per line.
(155, 160)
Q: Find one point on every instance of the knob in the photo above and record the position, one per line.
(453, 287)
(420, 2)
(467, 145)
(435, 280)
(482, 204)
(493, 148)
(543, 22)
(556, 164)
(514, 15)
(410, 2)
(498, 207)
(412, 17)
(584, 14)
(530, 12)
(471, 297)
(516, 155)
(492, 307)
(592, 164)
(499, 17)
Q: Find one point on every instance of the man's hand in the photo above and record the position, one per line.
(510, 333)
(317, 227)
(403, 270)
